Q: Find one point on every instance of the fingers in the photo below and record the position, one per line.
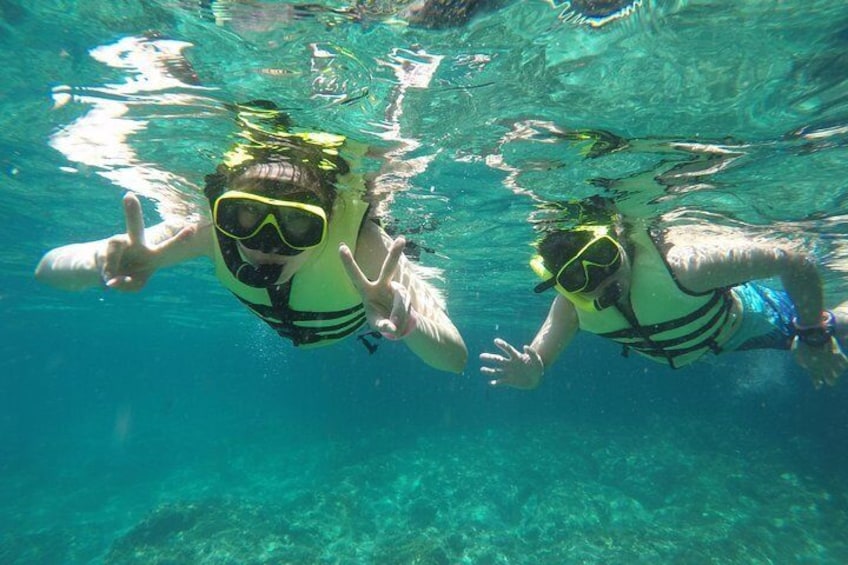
(392, 259)
(531, 353)
(112, 261)
(125, 284)
(185, 233)
(387, 271)
(360, 281)
(134, 219)
(401, 305)
(388, 328)
(497, 373)
(492, 358)
(507, 348)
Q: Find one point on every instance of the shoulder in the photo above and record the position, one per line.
(372, 238)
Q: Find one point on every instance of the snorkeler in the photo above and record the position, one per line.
(291, 236)
(674, 303)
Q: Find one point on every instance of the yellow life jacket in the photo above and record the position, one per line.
(319, 305)
(666, 322)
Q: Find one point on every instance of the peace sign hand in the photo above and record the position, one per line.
(388, 305)
(127, 262)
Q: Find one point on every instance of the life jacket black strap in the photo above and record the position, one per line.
(718, 319)
(371, 346)
(661, 327)
(288, 322)
(642, 336)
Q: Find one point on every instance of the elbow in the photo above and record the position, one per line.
(801, 266)
(458, 357)
(453, 362)
(454, 366)
(795, 259)
(458, 362)
(50, 271)
(44, 270)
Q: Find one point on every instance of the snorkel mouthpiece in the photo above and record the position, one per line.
(262, 276)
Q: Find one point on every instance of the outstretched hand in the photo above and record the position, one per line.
(128, 262)
(523, 370)
(388, 305)
(825, 364)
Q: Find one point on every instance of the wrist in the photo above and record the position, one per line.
(100, 265)
(541, 363)
(411, 324)
(817, 334)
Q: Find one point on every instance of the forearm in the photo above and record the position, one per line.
(556, 332)
(72, 267)
(801, 280)
(438, 343)
(80, 266)
(427, 329)
(434, 338)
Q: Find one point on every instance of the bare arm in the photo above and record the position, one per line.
(557, 331)
(123, 261)
(525, 369)
(701, 270)
(401, 303)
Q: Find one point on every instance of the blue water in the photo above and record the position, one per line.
(170, 426)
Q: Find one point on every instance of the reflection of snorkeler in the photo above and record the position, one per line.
(422, 13)
(674, 302)
(291, 237)
(595, 13)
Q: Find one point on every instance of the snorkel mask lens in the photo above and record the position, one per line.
(592, 265)
(264, 223)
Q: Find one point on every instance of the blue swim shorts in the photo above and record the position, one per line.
(766, 319)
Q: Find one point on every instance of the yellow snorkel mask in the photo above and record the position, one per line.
(244, 216)
(598, 259)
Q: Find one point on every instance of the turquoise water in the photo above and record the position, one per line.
(170, 426)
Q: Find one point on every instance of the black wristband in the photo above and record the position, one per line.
(816, 336)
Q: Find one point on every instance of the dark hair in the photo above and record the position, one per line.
(283, 180)
(274, 161)
(294, 168)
